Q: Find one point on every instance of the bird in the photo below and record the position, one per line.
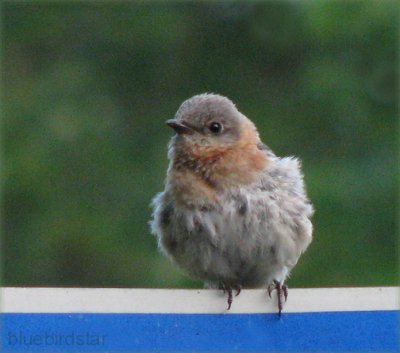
(232, 214)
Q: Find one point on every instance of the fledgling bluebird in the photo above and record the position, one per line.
(232, 214)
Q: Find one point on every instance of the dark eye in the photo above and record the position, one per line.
(215, 128)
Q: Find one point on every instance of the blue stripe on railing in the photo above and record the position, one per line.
(293, 332)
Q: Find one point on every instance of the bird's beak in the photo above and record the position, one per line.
(180, 128)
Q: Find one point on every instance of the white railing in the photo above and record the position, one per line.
(150, 320)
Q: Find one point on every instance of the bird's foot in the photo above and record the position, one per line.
(281, 291)
(228, 289)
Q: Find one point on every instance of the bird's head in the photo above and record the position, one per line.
(215, 141)
(209, 123)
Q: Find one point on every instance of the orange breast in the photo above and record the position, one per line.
(199, 174)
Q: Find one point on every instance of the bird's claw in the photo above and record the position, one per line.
(230, 298)
(228, 289)
(281, 291)
(285, 291)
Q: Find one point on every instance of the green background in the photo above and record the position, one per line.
(87, 87)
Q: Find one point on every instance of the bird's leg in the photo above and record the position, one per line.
(281, 291)
(228, 289)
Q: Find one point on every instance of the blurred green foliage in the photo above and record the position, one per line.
(88, 86)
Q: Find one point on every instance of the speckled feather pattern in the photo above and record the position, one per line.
(246, 233)
(256, 236)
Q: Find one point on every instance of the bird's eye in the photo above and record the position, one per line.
(215, 127)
